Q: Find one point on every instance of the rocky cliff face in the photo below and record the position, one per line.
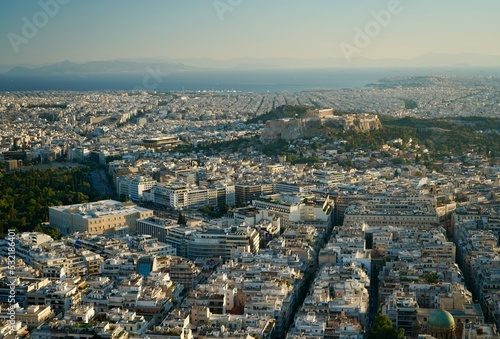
(290, 129)
(361, 122)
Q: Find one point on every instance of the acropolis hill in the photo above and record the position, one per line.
(316, 122)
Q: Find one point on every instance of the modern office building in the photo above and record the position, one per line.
(180, 195)
(293, 188)
(156, 227)
(208, 241)
(215, 242)
(134, 186)
(292, 209)
(395, 213)
(247, 192)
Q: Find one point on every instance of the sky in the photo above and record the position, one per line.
(48, 31)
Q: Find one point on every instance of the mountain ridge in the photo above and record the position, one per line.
(165, 64)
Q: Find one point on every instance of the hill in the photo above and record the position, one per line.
(108, 67)
(453, 135)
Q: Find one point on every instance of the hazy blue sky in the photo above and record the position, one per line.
(84, 30)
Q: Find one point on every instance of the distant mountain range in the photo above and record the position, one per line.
(166, 65)
(111, 67)
(426, 60)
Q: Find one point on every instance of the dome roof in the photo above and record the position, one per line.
(441, 319)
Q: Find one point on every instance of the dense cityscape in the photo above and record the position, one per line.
(249, 169)
(196, 215)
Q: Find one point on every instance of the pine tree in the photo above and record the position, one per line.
(182, 219)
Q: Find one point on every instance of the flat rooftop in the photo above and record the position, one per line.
(100, 209)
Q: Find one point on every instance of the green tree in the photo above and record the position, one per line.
(53, 232)
(383, 328)
(432, 278)
(223, 209)
(397, 160)
(26, 196)
(182, 219)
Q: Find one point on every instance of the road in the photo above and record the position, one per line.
(100, 182)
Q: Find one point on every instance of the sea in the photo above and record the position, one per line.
(259, 81)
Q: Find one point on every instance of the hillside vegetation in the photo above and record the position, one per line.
(440, 136)
(454, 135)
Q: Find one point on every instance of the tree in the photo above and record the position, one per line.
(182, 219)
(397, 160)
(432, 278)
(26, 196)
(53, 232)
(239, 203)
(223, 209)
(383, 328)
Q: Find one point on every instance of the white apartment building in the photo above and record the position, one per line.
(133, 186)
(180, 195)
(292, 211)
(285, 187)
